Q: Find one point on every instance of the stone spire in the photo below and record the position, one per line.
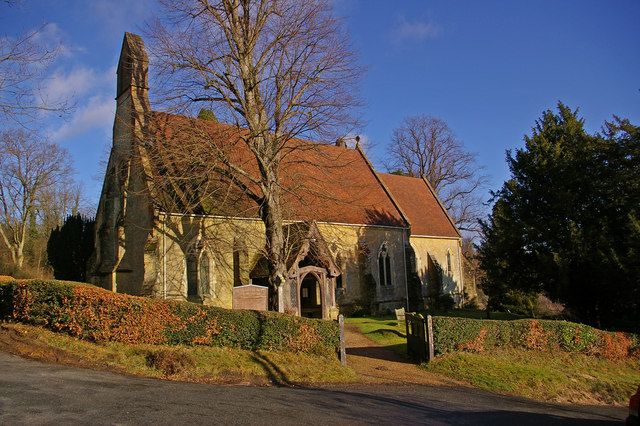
(133, 66)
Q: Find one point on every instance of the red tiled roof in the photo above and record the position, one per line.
(320, 182)
(421, 206)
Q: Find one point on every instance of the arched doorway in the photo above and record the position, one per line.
(310, 297)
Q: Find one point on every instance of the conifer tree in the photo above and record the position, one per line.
(69, 248)
(566, 223)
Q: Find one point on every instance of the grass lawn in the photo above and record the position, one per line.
(385, 331)
(557, 376)
(183, 363)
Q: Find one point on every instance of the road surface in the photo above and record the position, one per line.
(35, 393)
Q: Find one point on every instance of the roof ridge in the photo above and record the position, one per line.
(238, 128)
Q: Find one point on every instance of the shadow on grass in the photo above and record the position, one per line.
(396, 353)
(275, 374)
(386, 331)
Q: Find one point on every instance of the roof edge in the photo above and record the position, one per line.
(435, 195)
(384, 187)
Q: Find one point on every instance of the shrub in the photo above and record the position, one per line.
(169, 361)
(520, 302)
(464, 334)
(94, 314)
(446, 302)
(546, 308)
(355, 310)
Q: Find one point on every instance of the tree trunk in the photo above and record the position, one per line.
(271, 214)
(19, 259)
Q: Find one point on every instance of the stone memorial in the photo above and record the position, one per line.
(254, 297)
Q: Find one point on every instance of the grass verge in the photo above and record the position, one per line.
(558, 376)
(549, 376)
(181, 363)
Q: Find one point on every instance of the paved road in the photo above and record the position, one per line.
(35, 393)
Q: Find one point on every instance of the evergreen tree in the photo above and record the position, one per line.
(566, 223)
(207, 114)
(69, 248)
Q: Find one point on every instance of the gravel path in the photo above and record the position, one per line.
(375, 364)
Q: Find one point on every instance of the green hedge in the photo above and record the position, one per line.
(453, 334)
(91, 313)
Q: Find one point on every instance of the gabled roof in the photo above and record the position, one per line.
(420, 203)
(304, 243)
(320, 182)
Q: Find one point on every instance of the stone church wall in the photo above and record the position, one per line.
(222, 237)
(438, 249)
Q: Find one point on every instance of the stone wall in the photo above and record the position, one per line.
(437, 249)
(347, 243)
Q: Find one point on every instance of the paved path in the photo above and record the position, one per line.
(35, 393)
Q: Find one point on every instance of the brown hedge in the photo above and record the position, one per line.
(94, 314)
(465, 334)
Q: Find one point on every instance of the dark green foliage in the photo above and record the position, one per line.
(520, 303)
(452, 334)
(567, 222)
(445, 302)
(6, 299)
(208, 115)
(69, 248)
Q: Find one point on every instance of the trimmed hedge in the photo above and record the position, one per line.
(456, 334)
(95, 314)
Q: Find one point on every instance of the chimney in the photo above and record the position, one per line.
(341, 143)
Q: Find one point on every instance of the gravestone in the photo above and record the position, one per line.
(254, 297)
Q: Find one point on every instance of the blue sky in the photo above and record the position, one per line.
(489, 68)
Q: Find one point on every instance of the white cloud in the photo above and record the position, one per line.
(405, 30)
(77, 82)
(70, 87)
(52, 37)
(97, 114)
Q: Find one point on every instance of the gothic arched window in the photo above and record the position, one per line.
(200, 266)
(449, 270)
(204, 274)
(384, 266)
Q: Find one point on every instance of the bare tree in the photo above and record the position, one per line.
(29, 168)
(278, 69)
(425, 146)
(23, 64)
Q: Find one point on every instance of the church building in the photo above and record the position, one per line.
(354, 236)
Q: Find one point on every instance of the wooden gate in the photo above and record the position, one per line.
(419, 337)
